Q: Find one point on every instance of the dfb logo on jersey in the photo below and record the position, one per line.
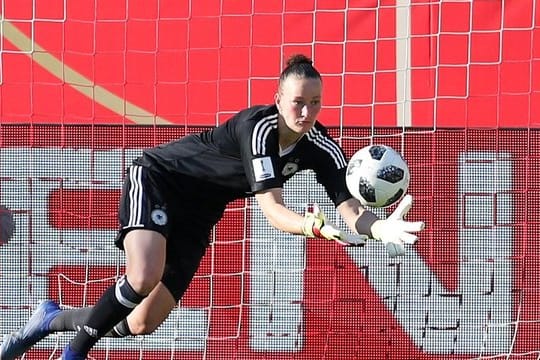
(289, 169)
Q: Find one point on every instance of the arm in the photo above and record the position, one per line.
(313, 224)
(278, 215)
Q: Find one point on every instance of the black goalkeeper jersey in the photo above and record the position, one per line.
(243, 156)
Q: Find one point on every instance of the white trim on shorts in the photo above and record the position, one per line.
(135, 197)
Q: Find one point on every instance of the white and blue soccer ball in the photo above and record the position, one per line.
(378, 176)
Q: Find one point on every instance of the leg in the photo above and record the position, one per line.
(143, 320)
(145, 261)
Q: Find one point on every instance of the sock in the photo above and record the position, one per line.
(113, 306)
(71, 319)
(120, 330)
(74, 319)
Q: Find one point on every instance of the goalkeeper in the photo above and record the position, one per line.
(175, 193)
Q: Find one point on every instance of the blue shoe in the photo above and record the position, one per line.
(37, 327)
(69, 354)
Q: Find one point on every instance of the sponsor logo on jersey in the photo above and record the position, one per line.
(159, 217)
(263, 168)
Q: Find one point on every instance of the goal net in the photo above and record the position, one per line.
(453, 85)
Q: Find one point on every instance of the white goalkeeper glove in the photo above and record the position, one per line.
(317, 225)
(394, 232)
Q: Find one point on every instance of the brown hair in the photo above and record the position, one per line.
(300, 66)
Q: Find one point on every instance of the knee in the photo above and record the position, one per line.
(126, 294)
(141, 327)
(143, 284)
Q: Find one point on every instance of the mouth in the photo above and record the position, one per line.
(304, 122)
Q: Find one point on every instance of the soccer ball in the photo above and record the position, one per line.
(377, 175)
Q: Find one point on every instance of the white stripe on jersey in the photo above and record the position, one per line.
(260, 133)
(327, 145)
(135, 196)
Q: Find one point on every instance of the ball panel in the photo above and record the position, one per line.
(377, 175)
(366, 190)
(393, 198)
(377, 151)
(391, 173)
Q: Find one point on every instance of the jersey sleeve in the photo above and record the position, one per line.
(330, 166)
(259, 149)
(335, 185)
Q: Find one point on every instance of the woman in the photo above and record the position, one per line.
(176, 192)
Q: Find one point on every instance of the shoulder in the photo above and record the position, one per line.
(319, 128)
(256, 120)
(257, 114)
(319, 138)
(319, 133)
(255, 128)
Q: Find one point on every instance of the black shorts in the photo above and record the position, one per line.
(181, 208)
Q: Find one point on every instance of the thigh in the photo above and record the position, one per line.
(145, 258)
(183, 260)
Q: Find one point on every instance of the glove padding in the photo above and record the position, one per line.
(394, 232)
(317, 225)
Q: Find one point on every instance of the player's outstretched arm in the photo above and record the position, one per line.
(313, 224)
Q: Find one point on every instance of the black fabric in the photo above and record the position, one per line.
(74, 319)
(192, 208)
(126, 292)
(182, 264)
(107, 312)
(120, 330)
(70, 319)
(242, 156)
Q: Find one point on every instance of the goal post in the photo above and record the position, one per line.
(452, 84)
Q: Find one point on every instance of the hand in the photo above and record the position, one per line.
(317, 225)
(394, 232)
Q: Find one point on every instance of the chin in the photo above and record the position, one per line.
(305, 129)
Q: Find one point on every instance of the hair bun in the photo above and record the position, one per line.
(299, 59)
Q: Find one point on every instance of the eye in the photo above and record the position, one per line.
(298, 102)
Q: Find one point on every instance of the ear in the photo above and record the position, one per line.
(277, 99)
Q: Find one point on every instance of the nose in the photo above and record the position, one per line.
(305, 110)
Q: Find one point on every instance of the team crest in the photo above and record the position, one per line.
(289, 169)
(159, 217)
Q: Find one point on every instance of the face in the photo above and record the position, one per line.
(299, 102)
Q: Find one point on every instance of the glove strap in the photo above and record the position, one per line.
(365, 222)
(313, 222)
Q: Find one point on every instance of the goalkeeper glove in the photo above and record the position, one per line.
(394, 232)
(317, 225)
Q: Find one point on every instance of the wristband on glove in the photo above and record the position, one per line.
(314, 220)
(394, 231)
(364, 223)
(317, 225)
